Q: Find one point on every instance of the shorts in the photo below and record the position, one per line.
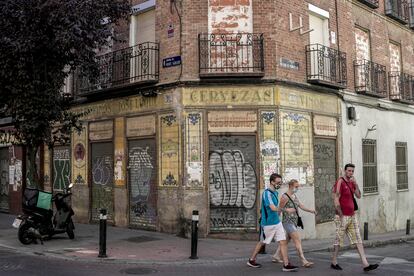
(289, 227)
(270, 232)
(350, 226)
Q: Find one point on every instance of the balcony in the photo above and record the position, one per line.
(398, 10)
(401, 87)
(231, 55)
(370, 3)
(326, 66)
(370, 78)
(130, 66)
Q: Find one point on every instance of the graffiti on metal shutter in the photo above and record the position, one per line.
(4, 178)
(61, 167)
(102, 179)
(325, 177)
(142, 175)
(232, 182)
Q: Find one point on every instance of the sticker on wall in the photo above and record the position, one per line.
(269, 150)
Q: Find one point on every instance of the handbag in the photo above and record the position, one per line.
(300, 222)
(353, 197)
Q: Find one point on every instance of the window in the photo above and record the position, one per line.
(363, 44)
(401, 163)
(369, 160)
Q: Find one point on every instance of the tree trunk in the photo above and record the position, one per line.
(32, 177)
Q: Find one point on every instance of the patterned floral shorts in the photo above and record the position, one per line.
(348, 225)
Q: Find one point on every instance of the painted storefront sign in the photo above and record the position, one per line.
(125, 106)
(233, 182)
(101, 130)
(232, 121)
(324, 126)
(142, 182)
(228, 96)
(194, 150)
(305, 100)
(140, 126)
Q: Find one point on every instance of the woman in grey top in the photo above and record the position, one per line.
(288, 203)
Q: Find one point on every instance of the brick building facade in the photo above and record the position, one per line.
(205, 99)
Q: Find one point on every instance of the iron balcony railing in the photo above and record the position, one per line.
(370, 78)
(326, 66)
(398, 10)
(370, 3)
(231, 54)
(132, 65)
(401, 87)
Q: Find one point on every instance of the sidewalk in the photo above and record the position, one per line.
(136, 246)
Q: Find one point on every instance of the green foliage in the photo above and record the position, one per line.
(39, 39)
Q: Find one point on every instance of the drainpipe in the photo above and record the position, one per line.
(337, 24)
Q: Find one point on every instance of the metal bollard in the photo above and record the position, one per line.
(365, 231)
(408, 227)
(194, 234)
(102, 233)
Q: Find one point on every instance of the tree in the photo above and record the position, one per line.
(39, 40)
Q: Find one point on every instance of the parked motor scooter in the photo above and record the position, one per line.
(37, 223)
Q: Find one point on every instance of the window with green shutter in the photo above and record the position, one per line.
(369, 159)
(401, 165)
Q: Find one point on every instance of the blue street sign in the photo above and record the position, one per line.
(171, 61)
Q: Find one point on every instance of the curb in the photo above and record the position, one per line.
(113, 260)
(367, 244)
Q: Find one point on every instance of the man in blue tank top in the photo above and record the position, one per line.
(271, 227)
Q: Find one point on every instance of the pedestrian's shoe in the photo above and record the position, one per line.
(289, 268)
(371, 267)
(336, 267)
(252, 263)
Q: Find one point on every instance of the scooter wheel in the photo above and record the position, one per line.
(25, 237)
(69, 230)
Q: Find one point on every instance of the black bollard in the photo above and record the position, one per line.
(365, 231)
(408, 227)
(102, 233)
(194, 234)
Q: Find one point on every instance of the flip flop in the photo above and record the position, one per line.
(308, 264)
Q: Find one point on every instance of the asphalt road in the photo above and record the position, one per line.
(394, 260)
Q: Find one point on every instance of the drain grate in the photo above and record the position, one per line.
(138, 271)
(140, 239)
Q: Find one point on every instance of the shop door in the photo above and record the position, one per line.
(142, 183)
(4, 179)
(325, 177)
(102, 180)
(232, 182)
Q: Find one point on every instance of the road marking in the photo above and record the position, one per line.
(356, 255)
(390, 260)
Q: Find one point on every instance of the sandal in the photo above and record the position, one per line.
(276, 260)
(308, 264)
